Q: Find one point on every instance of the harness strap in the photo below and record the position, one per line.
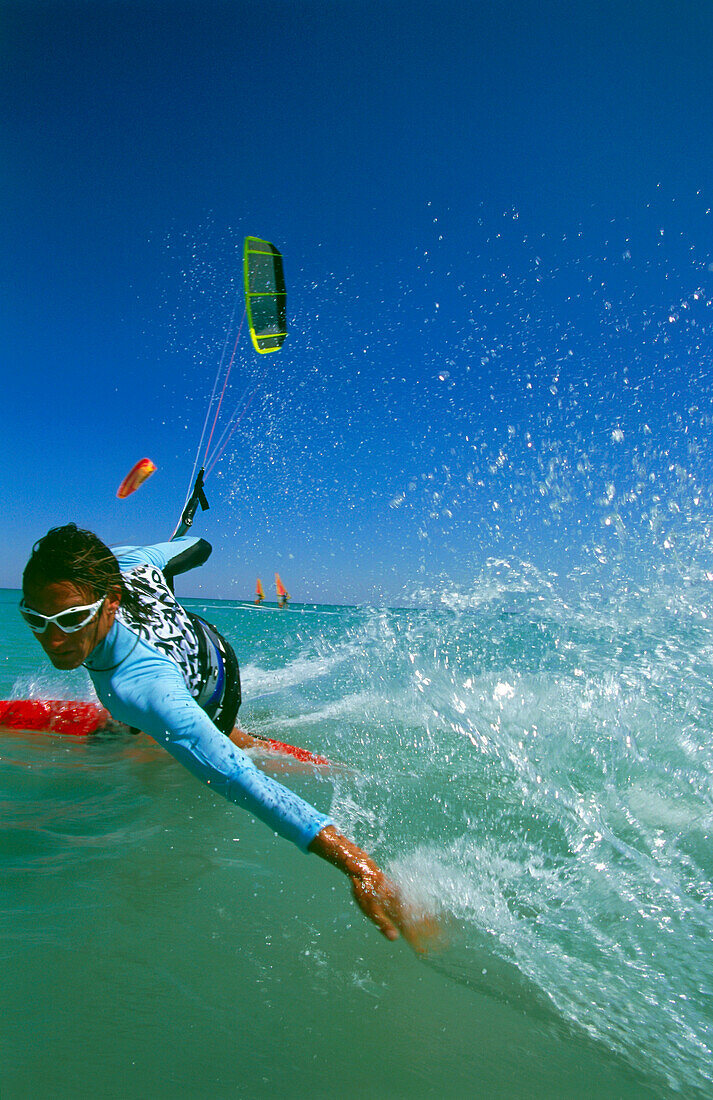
(219, 694)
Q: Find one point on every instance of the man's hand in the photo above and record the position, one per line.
(377, 897)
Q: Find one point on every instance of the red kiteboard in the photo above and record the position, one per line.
(67, 716)
(80, 719)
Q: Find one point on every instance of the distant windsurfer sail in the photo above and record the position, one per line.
(283, 596)
(259, 592)
(265, 294)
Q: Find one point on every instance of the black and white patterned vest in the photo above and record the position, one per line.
(169, 627)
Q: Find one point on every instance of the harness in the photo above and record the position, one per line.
(219, 695)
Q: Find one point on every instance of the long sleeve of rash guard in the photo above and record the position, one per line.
(171, 558)
(146, 690)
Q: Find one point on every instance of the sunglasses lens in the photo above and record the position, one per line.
(72, 620)
(34, 620)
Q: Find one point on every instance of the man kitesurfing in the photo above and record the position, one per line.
(160, 669)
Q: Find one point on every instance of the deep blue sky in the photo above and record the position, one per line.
(496, 231)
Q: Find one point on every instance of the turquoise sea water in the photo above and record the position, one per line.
(535, 764)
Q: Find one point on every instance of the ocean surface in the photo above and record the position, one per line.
(536, 765)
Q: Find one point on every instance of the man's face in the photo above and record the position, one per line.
(68, 651)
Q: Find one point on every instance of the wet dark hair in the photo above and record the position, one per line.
(71, 554)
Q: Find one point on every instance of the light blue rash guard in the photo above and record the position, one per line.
(143, 675)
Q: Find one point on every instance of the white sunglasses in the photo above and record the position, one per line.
(69, 621)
